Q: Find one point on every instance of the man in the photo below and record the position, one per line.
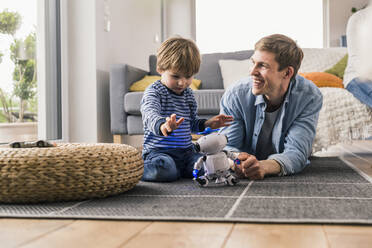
(275, 112)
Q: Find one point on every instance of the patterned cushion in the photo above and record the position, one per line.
(339, 68)
(320, 59)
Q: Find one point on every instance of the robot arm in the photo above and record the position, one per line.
(197, 166)
(231, 155)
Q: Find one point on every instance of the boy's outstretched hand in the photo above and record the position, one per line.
(170, 124)
(218, 121)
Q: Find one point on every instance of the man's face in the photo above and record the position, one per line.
(175, 81)
(267, 80)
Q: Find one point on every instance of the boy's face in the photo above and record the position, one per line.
(175, 81)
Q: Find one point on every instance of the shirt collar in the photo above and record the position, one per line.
(260, 99)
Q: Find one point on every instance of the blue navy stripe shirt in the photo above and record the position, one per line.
(158, 103)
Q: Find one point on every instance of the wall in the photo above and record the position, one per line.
(102, 73)
(90, 50)
(133, 33)
(339, 13)
(179, 18)
(81, 70)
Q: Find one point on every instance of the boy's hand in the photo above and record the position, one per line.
(219, 121)
(170, 124)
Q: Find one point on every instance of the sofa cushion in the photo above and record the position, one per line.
(135, 125)
(339, 68)
(208, 102)
(234, 70)
(132, 103)
(147, 80)
(152, 65)
(144, 82)
(210, 73)
(320, 59)
(323, 79)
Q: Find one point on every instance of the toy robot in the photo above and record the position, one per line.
(215, 160)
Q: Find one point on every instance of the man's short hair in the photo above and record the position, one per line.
(180, 55)
(287, 52)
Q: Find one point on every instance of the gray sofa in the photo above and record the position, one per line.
(125, 105)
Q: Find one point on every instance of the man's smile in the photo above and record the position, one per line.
(257, 82)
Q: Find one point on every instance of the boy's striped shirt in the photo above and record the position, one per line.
(159, 102)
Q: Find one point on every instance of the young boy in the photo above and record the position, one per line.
(169, 115)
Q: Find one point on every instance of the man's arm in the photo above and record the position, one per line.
(251, 168)
(299, 138)
(236, 131)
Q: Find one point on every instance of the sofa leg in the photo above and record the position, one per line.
(118, 138)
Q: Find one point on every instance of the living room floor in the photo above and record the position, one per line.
(101, 233)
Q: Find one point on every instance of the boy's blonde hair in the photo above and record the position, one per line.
(287, 52)
(179, 55)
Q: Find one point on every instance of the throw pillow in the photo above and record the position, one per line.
(142, 84)
(233, 70)
(323, 79)
(339, 68)
(195, 85)
(147, 80)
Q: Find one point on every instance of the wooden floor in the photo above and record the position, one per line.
(91, 233)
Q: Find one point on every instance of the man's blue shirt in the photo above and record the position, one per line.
(294, 130)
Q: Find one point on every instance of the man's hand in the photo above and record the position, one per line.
(253, 169)
(250, 167)
(219, 121)
(170, 124)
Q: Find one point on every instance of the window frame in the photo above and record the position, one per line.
(49, 68)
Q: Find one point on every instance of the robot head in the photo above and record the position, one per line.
(211, 143)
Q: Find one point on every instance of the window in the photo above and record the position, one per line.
(30, 88)
(223, 26)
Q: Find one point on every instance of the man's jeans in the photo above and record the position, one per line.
(361, 89)
(169, 165)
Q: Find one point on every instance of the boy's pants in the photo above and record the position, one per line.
(169, 165)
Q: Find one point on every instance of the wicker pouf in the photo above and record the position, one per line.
(67, 172)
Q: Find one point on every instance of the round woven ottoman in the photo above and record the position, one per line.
(67, 172)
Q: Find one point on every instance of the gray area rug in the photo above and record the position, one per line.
(328, 191)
